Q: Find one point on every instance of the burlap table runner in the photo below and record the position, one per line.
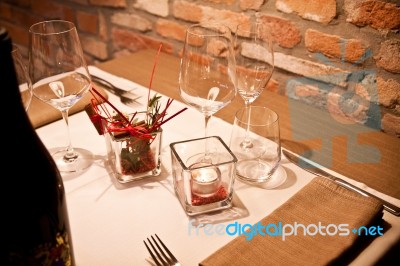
(321, 202)
(41, 113)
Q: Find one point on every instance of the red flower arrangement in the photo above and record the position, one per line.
(135, 131)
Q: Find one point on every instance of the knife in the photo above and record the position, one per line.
(302, 163)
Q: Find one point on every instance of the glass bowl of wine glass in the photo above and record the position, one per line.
(207, 80)
(60, 78)
(254, 63)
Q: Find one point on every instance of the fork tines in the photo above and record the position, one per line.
(158, 254)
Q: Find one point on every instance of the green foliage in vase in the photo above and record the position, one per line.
(136, 156)
(153, 110)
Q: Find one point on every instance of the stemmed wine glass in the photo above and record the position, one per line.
(254, 64)
(60, 78)
(24, 82)
(207, 79)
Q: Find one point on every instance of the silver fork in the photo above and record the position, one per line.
(158, 254)
(127, 97)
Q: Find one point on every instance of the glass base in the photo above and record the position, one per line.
(255, 171)
(246, 144)
(83, 160)
(122, 178)
(192, 210)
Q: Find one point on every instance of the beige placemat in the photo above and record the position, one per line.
(41, 113)
(319, 202)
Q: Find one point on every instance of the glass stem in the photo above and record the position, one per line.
(207, 151)
(70, 155)
(247, 144)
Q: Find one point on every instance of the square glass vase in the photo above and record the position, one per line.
(132, 158)
(203, 181)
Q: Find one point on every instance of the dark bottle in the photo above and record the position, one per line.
(35, 228)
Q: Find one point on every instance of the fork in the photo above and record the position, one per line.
(127, 97)
(158, 254)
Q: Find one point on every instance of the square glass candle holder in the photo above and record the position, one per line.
(132, 158)
(203, 181)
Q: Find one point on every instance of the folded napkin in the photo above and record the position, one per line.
(321, 202)
(41, 113)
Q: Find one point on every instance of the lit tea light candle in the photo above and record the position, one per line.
(205, 181)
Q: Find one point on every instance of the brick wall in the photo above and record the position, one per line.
(339, 55)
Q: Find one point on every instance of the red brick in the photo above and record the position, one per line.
(18, 35)
(187, 11)
(383, 15)
(389, 92)
(170, 29)
(103, 27)
(134, 42)
(317, 10)
(227, 17)
(82, 2)
(273, 86)
(204, 14)
(217, 48)
(389, 55)
(58, 11)
(250, 4)
(337, 108)
(391, 124)
(22, 3)
(306, 90)
(377, 14)
(311, 69)
(127, 39)
(156, 7)
(94, 47)
(311, 93)
(282, 30)
(132, 21)
(110, 3)
(87, 22)
(5, 11)
(154, 43)
(226, 2)
(334, 46)
(20, 17)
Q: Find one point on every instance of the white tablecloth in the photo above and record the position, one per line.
(109, 220)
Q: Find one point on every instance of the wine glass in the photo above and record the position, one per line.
(254, 63)
(60, 78)
(24, 82)
(207, 79)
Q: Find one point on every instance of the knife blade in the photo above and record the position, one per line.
(309, 167)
